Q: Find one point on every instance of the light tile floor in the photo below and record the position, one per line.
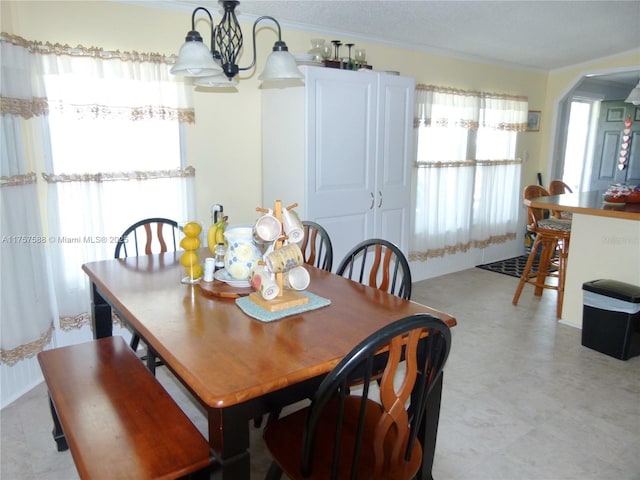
(523, 399)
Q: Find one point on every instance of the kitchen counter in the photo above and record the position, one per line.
(587, 203)
(605, 243)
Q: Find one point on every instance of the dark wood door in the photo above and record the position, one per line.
(611, 140)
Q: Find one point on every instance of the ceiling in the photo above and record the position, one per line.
(534, 35)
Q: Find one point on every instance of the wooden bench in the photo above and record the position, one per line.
(116, 418)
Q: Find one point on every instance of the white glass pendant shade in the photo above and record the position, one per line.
(195, 60)
(281, 65)
(216, 81)
(634, 96)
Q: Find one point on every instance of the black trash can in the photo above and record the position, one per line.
(611, 318)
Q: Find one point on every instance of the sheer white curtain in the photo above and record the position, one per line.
(26, 304)
(115, 120)
(467, 179)
(116, 159)
(497, 193)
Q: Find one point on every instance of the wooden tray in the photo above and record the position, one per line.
(224, 290)
(288, 299)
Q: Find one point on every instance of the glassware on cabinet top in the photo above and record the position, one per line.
(361, 56)
(350, 64)
(317, 49)
(326, 52)
(336, 44)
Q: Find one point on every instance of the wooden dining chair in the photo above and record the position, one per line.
(550, 246)
(343, 434)
(151, 235)
(380, 264)
(316, 246)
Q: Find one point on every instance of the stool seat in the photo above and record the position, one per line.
(552, 241)
(555, 224)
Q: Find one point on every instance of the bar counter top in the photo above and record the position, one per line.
(587, 203)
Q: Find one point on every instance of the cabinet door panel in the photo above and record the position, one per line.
(395, 148)
(346, 231)
(341, 142)
(391, 224)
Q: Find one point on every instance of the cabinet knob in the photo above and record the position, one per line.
(380, 203)
(373, 200)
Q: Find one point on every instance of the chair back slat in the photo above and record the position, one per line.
(147, 239)
(316, 246)
(382, 263)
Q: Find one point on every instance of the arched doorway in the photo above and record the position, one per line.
(590, 133)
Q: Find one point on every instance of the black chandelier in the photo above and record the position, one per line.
(218, 66)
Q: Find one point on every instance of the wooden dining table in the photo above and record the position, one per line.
(239, 368)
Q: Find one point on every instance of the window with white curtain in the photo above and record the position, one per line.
(467, 180)
(115, 127)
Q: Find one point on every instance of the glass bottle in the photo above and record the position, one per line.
(219, 258)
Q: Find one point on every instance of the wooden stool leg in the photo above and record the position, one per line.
(562, 274)
(548, 250)
(527, 269)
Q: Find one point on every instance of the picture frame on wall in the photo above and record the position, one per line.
(533, 121)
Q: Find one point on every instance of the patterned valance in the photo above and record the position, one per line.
(470, 109)
(16, 180)
(25, 108)
(42, 77)
(146, 112)
(468, 163)
(119, 176)
(47, 48)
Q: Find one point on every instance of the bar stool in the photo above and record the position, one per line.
(552, 239)
(558, 187)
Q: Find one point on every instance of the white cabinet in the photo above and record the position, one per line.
(341, 147)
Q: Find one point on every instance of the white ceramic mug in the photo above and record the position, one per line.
(284, 258)
(292, 226)
(267, 228)
(262, 281)
(297, 278)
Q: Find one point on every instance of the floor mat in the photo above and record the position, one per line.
(511, 266)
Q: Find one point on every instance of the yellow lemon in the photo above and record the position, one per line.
(194, 271)
(190, 243)
(192, 229)
(189, 258)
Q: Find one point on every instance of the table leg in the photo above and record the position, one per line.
(58, 434)
(101, 314)
(428, 430)
(231, 444)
